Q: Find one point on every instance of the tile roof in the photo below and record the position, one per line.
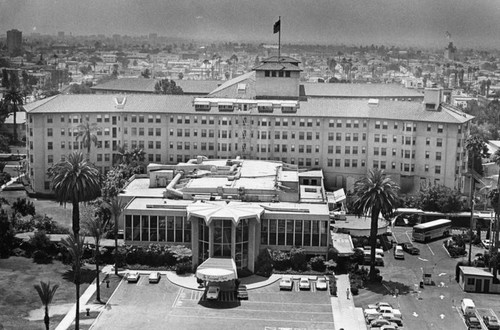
(314, 107)
(128, 84)
(229, 89)
(360, 90)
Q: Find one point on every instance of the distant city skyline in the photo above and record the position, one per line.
(353, 22)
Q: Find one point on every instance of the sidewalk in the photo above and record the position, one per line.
(68, 320)
(345, 315)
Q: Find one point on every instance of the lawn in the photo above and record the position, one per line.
(60, 214)
(18, 298)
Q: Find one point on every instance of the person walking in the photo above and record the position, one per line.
(347, 291)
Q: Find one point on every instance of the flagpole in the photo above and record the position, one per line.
(279, 39)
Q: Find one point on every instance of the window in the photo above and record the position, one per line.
(437, 169)
(377, 124)
(339, 123)
(348, 123)
(376, 138)
(347, 150)
(329, 162)
(338, 149)
(49, 145)
(356, 124)
(150, 144)
(337, 162)
(439, 142)
(348, 136)
(49, 131)
(426, 168)
(427, 141)
(355, 150)
(384, 125)
(330, 136)
(158, 119)
(63, 144)
(376, 151)
(62, 131)
(50, 159)
(440, 128)
(158, 144)
(338, 136)
(384, 138)
(354, 163)
(301, 135)
(429, 127)
(49, 119)
(355, 136)
(330, 149)
(347, 163)
(309, 135)
(158, 131)
(427, 154)
(331, 123)
(438, 155)
(141, 131)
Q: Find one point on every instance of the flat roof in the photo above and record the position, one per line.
(296, 208)
(473, 271)
(140, 188)
(354, 222)
(342, 243)
(142, 203)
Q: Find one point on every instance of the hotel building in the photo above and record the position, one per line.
(265, 114)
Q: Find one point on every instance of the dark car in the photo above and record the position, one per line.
(242, 292)
(410, 248)
(491, 322)
(472, 322)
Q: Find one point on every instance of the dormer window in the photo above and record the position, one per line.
(265, 107)
(242, 88)
(202, 105)
(226, 107)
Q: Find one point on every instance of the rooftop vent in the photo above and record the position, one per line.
(120, 102)
(373, 102)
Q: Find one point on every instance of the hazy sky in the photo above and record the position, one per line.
(410, 22)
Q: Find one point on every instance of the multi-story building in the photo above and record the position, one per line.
(265, 114)
(14, 42)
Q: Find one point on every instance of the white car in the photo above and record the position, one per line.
(133, 277)
(321, 283)
(286, 283)
(385, 312)
(304, 284)
(486, 243)
(154, 277)
(213, 293)
(379, 304)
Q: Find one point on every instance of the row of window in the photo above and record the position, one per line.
(157, 228)
(294, 232)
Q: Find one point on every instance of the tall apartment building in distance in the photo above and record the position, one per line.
(265, 114)
(14, 42)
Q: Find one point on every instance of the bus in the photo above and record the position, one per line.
(432, 229)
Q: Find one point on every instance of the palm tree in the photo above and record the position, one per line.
(75, 180)
(75, 249)
(374, 194)
(46, 293)
(12, 99)
(95, 227)
(116, 207)
(87, 132)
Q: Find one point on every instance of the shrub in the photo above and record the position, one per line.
(264, 264)
(7, 235)
(332, 254)
(281, 260)
(24, 207)
(318, 264)
(298, 258)
(184, 268)
(355, 290)
(40, 241)
(41, 257)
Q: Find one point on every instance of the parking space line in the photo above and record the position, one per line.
(430, 249)
(253, 319)
(264, 310)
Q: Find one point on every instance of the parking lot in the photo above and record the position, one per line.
(431, 307)
(155, 306)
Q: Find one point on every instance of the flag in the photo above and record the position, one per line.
(277, 26)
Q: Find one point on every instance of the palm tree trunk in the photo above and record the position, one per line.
(97, 282)
(116, 245)
(76, 233)
(373, 241)
(14, 108)
(46, 319)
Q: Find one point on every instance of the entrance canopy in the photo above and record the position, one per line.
(221, 210)
(217, 270)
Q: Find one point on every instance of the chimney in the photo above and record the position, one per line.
(433, 98)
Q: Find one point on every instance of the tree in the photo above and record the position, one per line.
(75, 249)
(80, 89)
(477, 149)
(75, 180)
(12, 99)
(7, 235)
(116, 207)
(374, 194)
(167, 86)
(439, 198)
(87, 133)
(180, 75)
(146, 74)
(46, 293)
(95, 227)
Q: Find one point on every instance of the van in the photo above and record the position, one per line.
(468, 307)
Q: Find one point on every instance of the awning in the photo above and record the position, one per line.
(217, 270)
(216, 210)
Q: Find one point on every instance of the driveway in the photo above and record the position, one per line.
(157, 306)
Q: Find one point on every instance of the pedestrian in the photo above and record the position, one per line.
(347, 291)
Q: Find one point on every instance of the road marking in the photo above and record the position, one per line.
(441, 296)
(442, 274)
(174, 304)
(260, 310)
(430, 249)
(415, 314)
(441, 316)
(422, 259)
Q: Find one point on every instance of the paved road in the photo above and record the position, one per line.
(154, 306)
(434, 306)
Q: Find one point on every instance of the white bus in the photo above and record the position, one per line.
(432, 229)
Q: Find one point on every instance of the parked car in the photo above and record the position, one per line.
(242, 292)
(321, 283)
(472, 322)
(304, 284)
(379, 304)
(371, 315)
(154, 277)
(286, 283)
(491, 322)
(385, 311)
(410, 248)
(398, 252)
(389, 327)
(133, 277)
(486, 243)
(213, 292)
(380, 322)
(397, 320)
(377, 250)
(379, 260)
